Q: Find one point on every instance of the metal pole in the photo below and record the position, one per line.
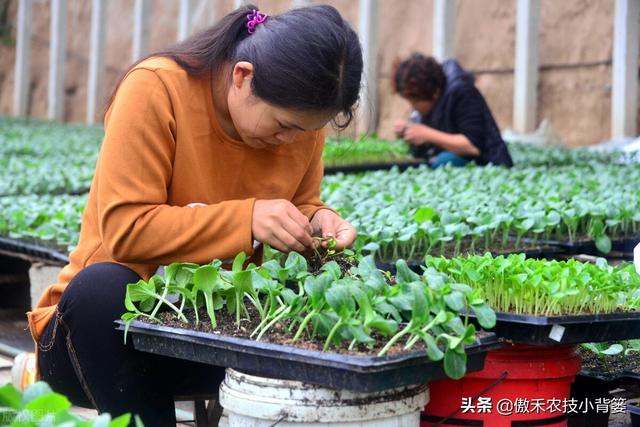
(96, 58)
(23, 50)
(525, 94)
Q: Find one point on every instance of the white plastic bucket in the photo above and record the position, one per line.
(255, 401)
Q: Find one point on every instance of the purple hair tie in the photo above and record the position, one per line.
(253, 19)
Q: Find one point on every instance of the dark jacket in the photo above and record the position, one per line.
(462, 109)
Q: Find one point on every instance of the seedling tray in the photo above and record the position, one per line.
(624, 248)
(544, 252)
(571, 247)
(607, 380)
(556, 330)
(414, 266)
(630, 381)
(588, 247)
(401, 165)
(33, 251)
(547, 252)
(357, 373)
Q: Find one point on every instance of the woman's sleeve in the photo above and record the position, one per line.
(468, 110)
(134, 171)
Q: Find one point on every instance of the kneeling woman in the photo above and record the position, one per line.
(211, 147)
(451, 122)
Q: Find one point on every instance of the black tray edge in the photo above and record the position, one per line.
(33, 250)
(559, 320)
(364, 364)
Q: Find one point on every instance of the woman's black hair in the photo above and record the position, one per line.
(308, 59)
(418, 77)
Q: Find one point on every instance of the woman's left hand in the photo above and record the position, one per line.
(417, 134)
(326, 223)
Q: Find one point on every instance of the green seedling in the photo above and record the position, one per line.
(339, 309)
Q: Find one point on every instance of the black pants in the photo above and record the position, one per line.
(81, 355)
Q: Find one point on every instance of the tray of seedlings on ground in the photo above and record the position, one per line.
(335, 320)
(42, 226)
(46, 158)
(527, 154)
(365, 154)
(455, 211)
(551, 302)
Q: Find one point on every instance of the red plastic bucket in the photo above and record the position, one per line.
(519, 386)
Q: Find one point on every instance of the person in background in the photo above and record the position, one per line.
(451, 122)
(212, 147)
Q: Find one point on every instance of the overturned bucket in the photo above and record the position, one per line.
(256, 401)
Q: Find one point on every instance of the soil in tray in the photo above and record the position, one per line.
(615, 364)
(315, 263)
(278, 333)
(316, 260)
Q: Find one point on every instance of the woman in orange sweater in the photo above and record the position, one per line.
(211, 147)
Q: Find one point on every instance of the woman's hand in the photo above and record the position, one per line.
(417, 134)
(327, 223)
(281, 225)
(399, 127)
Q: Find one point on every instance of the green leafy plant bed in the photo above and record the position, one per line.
(336, 311)
(453, 211)
(364, 151)
(452, 250)
(39, 157)
(551, 302)
(527, 154)
(50, 222)
(536, 252)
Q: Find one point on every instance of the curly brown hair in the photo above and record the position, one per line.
(418, 77)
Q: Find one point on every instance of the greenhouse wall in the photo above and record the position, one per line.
(575, 50)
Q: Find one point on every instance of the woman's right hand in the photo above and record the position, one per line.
(399, 127)
(281, 225)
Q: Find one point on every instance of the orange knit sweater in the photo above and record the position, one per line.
(164, 149)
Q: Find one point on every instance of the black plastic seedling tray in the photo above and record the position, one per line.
(414, 266)
(635, 376)
(357, 373)
(368, 167)
(625, 245)
(608, 380)
(571, 247)
(588, 247)
(544, 252)
(33, 251)
(575, 329)
(630, 381)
